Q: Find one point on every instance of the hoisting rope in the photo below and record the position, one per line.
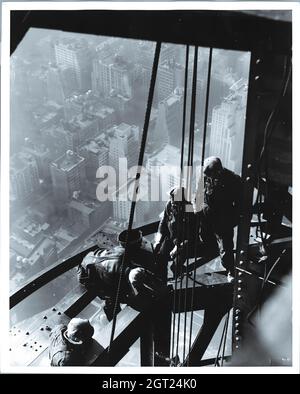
(223, 342)
(190, 171)
(179, 227)
(136, 188)
(189, 179)
(198, 217)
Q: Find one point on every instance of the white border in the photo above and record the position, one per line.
(4, 268)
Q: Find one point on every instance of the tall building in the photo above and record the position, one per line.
(54, 85)
(112, 75)
(158, 134)
(84, 125)
(96, 155)
(170, 76)
(89, 214)
(123, 144)
(122, 205)
(68, 175)
(227, 127)
(75, 54)
(42, 156)
(24, 176)
(174, 112)
(37, 83)
(168, 52)
(69, 79)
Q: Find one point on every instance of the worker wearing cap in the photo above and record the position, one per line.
(101, 271)
(221, 209)
(69, 345)
(176, 235)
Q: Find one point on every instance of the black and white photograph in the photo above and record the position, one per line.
(147, 187)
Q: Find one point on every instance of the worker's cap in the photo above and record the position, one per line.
(79, 331)
(133, 237)
(177, 194)
(212, 166)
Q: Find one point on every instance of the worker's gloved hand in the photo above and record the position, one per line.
(174, 252)
(156, 247)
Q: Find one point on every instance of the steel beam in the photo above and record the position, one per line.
(219, 29)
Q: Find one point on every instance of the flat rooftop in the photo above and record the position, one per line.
(68, 161)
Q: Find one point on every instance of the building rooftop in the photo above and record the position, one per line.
(92, 146)
(123, 129)
(82, 121)
(172, 99)
(81, 206)
(100, 110)
(71, 44)
(68, 161)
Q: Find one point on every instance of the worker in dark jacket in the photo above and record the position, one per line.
(176, 236)
(221, 209)
(101, 271)
(69, 345)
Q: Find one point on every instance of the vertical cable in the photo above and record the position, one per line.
(202, 163)
(137, 181)
(225, 338)
(182, 229)
(189, 180)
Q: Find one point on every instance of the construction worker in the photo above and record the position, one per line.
(175, 239)
(221, 209)
(70, 345)
(101, 271)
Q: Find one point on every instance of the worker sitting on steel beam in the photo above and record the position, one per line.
(129, 275)
(175, 239)
(221, 209)
(70, 345)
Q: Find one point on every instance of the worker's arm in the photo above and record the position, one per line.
(82, 275)
(163, 230)
(84, 269)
